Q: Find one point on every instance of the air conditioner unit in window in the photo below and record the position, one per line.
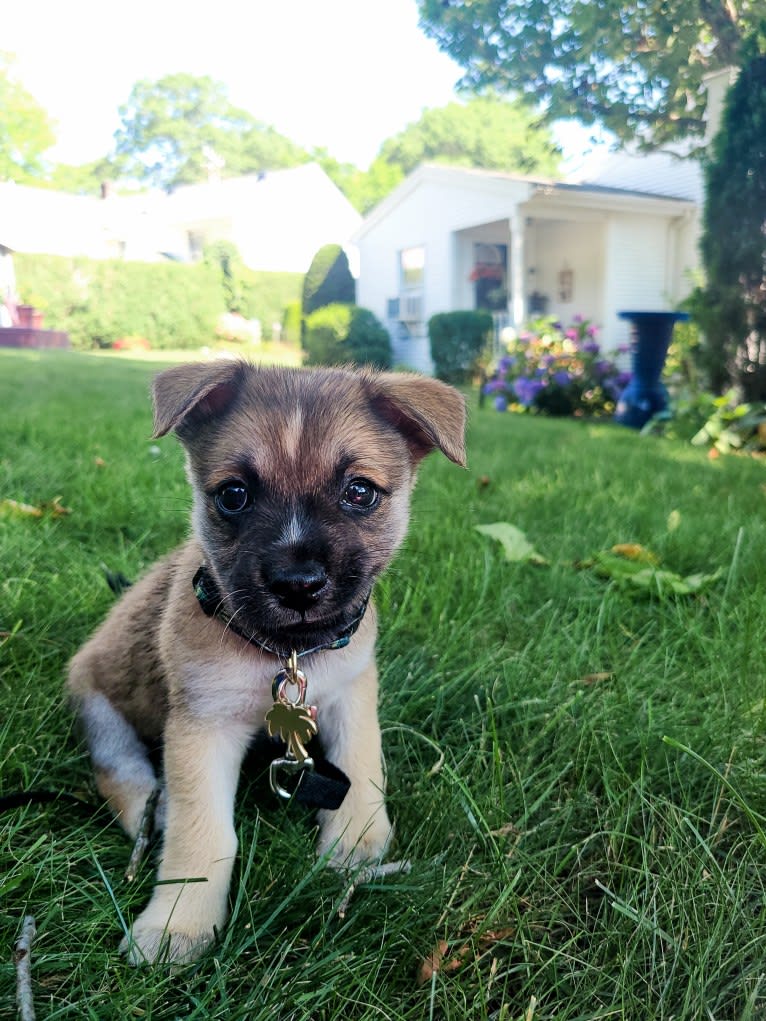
(411, 308)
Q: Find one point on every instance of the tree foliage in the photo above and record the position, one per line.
(635, 68)
(732, 306)
(486, 131)
(25, 128)
(182, 128)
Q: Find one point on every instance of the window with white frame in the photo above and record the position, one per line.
(412, 263)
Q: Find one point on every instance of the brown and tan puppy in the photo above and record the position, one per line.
(301, 484)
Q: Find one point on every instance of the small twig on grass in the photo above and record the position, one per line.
(22, 959)
(143, 836)
(530, 1013)
(367, 875)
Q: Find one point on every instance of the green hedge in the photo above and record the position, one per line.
(339, 334)
(458, 342)
(171, 305)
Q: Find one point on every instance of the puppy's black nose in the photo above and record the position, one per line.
(299, 588)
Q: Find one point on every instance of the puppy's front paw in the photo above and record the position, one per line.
(151, 942)
(350, 843)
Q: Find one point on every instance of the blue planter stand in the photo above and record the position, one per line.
(645, 396)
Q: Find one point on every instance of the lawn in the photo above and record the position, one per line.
(576, 771)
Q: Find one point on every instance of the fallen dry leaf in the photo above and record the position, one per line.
(600, 675)
(55, 507)
(14, 508)
(99, 462)
(432, 964)
(635, 551)
(435, 962)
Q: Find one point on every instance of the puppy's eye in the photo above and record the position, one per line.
(232, 498)
(359, 494)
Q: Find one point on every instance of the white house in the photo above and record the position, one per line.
(277, 219)
(623, 235)
(452, 238)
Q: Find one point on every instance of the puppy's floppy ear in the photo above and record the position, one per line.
(188, 394)
(428, 413)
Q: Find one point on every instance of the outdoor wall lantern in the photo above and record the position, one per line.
(566, 285)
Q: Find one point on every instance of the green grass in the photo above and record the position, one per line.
(590, 868)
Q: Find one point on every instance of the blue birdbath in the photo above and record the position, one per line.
(645, 396)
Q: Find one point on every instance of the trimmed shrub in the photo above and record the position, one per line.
(459, 342)
(339, 334)
(328, 281)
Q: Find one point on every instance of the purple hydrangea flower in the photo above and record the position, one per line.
(562, 378)
(506, 363)
(591, 347)
(501, 403)
(527, 390)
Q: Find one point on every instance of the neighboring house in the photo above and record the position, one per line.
(623, 236)
(277, 220)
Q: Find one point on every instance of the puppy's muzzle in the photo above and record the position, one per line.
(298, 588)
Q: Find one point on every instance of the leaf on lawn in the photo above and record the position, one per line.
(635, 551)
(433, 963)
(600, 675)
(16, 509)
(516, 547)
(643, 573)
(674, 520)
(475, 946)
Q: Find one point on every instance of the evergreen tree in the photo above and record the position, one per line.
(732, 306)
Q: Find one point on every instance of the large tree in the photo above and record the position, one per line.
(486, 131)
(732, 306)
(25, 128)
(635, 68)
(182, 128)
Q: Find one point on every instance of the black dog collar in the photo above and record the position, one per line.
(211, 601)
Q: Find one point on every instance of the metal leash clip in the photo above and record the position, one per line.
(292, 721)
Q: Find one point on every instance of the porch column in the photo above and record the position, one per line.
(517, 305)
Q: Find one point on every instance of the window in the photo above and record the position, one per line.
(412, 262)
(411, 265)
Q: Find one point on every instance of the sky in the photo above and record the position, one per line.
(343, 75)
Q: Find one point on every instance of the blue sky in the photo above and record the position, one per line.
(342, 74)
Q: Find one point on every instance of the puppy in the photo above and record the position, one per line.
(301, 485)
